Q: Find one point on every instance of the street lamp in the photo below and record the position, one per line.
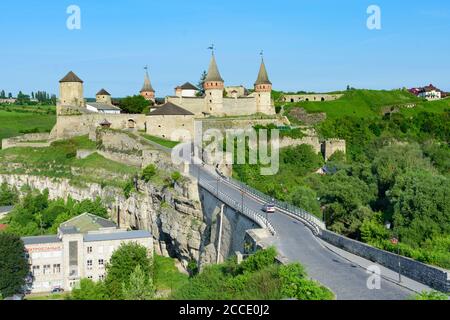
(242, 194)
(395, 241)
(218, 186)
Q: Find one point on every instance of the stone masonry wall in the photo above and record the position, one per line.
(27, 140)
(434, 277)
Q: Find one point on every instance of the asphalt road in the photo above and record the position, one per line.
(296, 242)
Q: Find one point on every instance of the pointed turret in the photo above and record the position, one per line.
(147, 90)
(263, 90)
(263, 83)
(263, 78)
(147, 87)
(213, 71)
(213, 86)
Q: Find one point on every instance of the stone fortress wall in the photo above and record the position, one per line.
(311, 97)
(79, 125)
(36, 140)
(175, 128)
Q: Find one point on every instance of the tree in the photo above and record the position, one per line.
(123, 262)
(13, 265)
(8, 196)
(421, 206)
(394, 160)
(139, 287)
(89, 290)
(135, 104)
(306, 198)
(200, 85)
(149, 172)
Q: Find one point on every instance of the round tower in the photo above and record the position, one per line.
(71, 91)
(103, 96)
(147, 90)
(214, 86)
(263, 91)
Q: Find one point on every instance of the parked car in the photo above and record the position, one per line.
(269, 208)
(57, 290)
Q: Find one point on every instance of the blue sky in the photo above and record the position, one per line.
(319, 45)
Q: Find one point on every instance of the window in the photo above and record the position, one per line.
(101, 277)
(89, 264)
(36, 270)
(89, 250)
(56, 268)
(89, 277)
(47, 269)
(101, 262)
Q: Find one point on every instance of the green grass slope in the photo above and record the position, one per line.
(16, 120)
(364, 103)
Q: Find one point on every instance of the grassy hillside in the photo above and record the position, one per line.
(369, 104)
(16, 120)
(59, 160)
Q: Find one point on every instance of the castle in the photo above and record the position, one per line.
(178, 112)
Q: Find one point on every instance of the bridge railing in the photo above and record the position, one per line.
(238, 206)
(298, 212)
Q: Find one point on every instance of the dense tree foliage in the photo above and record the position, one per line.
(123, 262)
(8, 196)
(258, 277)
(139, 287)
(13, 265)
(396, 172)
(135, 104)
(35, 214)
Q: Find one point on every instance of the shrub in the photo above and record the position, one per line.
(148, 173)
(259, 260)
(176, 176)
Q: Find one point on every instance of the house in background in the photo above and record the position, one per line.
(187, 90)
(429, 93)
(103, 104)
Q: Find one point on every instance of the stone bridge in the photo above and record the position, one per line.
(343, 265)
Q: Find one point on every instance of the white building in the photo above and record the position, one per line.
(102, 108)
(429, 93)
(187, 90)
(103, 104)
(81, 249)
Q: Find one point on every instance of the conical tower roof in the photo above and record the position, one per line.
(147, 87)
(263, 78)
(103, 92)
(71, 77)
(213, 71)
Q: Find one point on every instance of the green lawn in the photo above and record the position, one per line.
(15, 120)
(167, 276)
(165, 143)
(40, 297)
